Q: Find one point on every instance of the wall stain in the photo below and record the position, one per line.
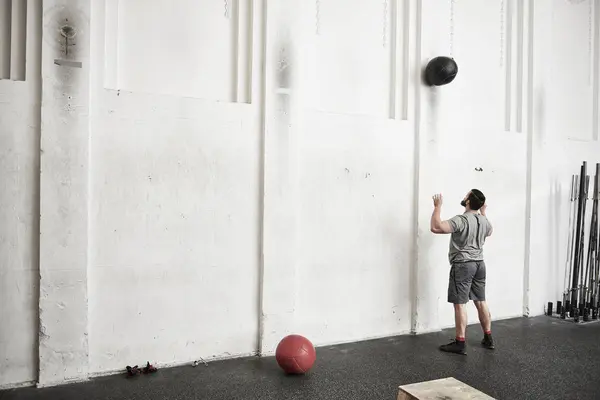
(68, 33)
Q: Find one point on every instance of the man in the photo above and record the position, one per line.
(467, 273)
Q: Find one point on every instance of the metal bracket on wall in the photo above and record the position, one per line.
(68, 63)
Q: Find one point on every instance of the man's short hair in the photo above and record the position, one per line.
(476, 199)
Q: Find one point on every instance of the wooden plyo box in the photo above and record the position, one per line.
(447, 389)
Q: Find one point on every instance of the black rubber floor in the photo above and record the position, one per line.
(537, 358)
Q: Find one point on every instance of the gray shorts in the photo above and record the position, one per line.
(467, 282)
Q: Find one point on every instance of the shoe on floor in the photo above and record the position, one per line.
(488, 342)
(454, 347)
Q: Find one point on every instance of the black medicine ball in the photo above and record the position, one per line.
(441, 71)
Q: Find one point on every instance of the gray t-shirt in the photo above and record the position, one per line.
(469, 231)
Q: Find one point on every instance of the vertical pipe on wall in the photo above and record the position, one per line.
(34, 44)
(520, 63)
(259, 83)
(253, 19)
(111, 44)
(18, 40)
(233, 18)
(400, 53)
(248, 41)
(508, 66)
(243, 44)
(528, 86)
(405, 58)
(393, 113)
(530, 135)
(33, 77)
(414, 273)
(5, 34)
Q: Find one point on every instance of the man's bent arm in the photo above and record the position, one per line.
(489, 233)
(437, 225)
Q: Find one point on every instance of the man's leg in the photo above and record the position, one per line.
(484, 315)
(460, 320)
(459, 286)
(477, 294)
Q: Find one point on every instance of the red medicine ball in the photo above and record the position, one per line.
(295, 354)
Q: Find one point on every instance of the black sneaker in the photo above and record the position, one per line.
(488, 342)
(454, 347)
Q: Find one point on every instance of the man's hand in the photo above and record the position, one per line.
(438, 200)
(437, 225)
(483, 209)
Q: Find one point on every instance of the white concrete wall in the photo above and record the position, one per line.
(355, 245)
(206, 191)
(19, 210)
(339, 175)
(356, 174)
(472, 136)
(175, 190)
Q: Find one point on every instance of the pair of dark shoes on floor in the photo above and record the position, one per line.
(460, 347)
(135, 370)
